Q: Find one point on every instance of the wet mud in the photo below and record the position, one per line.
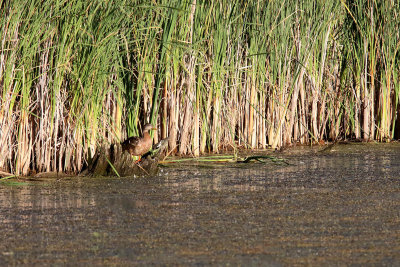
(339, 206)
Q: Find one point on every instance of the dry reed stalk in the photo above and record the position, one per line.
(196, 126)
(6, 122)
(232, 115)
(276, 134)
(303, 115)
(42, 105)
(117, 107)
(372, 114)
(61, 151)
(24, 144)
(263, 122)
(23, 152)
(293, 107)
(366, 96)
(147, 99)
(271, 116)
(196, 117)
(187, 120)
(251, 127)
(78, 149)
(296, 134)
(57, 118)
(189, 88)
(7, 116)
(386, 110)
(156, 121)
(357, 108)
(164, 111)
(298, 82)
(216, 122)
(207, 114)
(335, 124)
(314, 108)
(173, 106)
(66, 159)
(241, 120)
(323, 109)
(246, 113)
(258, 125)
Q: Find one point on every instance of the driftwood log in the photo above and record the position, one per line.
(112, 160)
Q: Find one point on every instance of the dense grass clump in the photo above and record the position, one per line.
(209, 74)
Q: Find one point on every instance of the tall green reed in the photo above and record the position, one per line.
(211, 75)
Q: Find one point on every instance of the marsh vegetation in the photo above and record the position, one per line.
(210, 74)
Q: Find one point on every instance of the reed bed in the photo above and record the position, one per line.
(211, 75)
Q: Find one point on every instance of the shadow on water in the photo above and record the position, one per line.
(340, 207)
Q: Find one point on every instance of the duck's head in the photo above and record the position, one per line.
(148, 127)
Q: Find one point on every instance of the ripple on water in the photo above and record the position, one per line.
(337, 206)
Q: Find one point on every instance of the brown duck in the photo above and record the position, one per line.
(137, 146)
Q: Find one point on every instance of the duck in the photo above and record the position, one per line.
(138, 146)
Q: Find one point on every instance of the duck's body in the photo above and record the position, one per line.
(137, 146)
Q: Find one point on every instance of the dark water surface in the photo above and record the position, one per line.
(336, 207)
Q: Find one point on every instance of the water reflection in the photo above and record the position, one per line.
(339, 207)
(313, 170)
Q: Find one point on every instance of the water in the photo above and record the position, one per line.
(336, 207)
